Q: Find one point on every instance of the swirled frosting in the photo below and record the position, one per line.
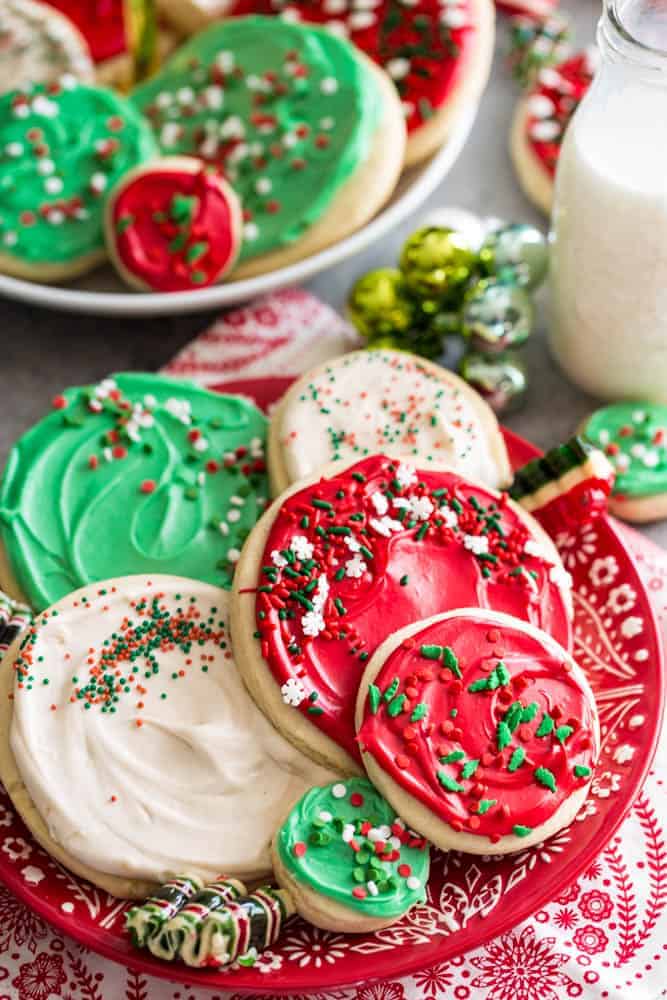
(140, 473)
(137, 740)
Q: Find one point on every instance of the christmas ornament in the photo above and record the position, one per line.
(496, 315)
(437, 263)
(142, 34)
(535, 43)
(501, 380)
(516, 252)
(379, 304)
(470, 226)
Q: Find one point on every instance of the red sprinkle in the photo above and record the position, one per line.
(404, 870)
(299, 849)
(148, 486)
(356, 799)
(93, 462)
(359, 892)
(402, 761)
(58, 402)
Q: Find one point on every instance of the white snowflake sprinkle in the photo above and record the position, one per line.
(380, 502)
(180, 409)
(301, 547)
(352, 543)
(477, 544)
(293, 692)
(355, 567)
(406, 475)
(385, 526)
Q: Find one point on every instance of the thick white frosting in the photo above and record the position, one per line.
(386, 401)
(199, 786)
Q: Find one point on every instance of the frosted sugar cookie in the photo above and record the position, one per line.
(480, 729)
(130, 745)
(634, 437)
(140, 473)
(38, 45)
(540, 120)
(306, 129)
(438, 56)
(173, 225)
(384, 401)
(62, 148)
(340, 562)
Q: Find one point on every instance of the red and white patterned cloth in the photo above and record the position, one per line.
(603, 938)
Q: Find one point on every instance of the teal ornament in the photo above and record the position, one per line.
(496, 316)
(516, 253)
(437, 263)
(501, 380)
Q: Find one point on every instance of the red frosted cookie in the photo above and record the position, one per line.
(173, 225)
(437, 53)
(540, 121)
(337, 564)
(479, 729)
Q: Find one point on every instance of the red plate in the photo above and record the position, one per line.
(617, 644)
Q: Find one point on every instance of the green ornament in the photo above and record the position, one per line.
(496, 316)
(517, 253)
(379, 305)
(437, 263)
(501, 380)
(445, 323)
(385, 342)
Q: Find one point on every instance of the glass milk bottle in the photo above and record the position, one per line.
(608, 323)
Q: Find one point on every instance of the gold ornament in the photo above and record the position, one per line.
(437, 263)
(379, 305)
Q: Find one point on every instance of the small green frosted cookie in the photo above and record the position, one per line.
(62, 149)
(138, 474)
(346, 859)
(633, 435)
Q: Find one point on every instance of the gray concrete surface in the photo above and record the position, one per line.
(44, 351)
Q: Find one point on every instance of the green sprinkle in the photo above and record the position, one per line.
(451, 784)
(366, 552)
(481, 684)
(529, 712)
(404, 581)
(469, 768)
(359, 476)
(431, 652)
(374, 697)
(195, 251)
(521, 831)
(499, 676)
(517, 759)
(563, 732)
(546, 726)
(321, 504)
(422, 531)
(178, 242)
(395, 706)
(451, 661)
(452, 757)
(337, 529)
(315, 710)
(340, 607)
(340, 574)
(503, 735)
(124, 224)
(391, 690)
(581, 771)
(420, 712)
(484, 805)
(305, 521)
(545, 777)
(512, 716)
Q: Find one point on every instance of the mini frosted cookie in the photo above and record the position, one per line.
(438, 56)
(539, 124)
(14, 618)
(173, 225)
(140, 473)
(130, 746)
(567, 486)
(61, 149)
(384, 401)
(634, 437)
(480, 729)
(340, 562)
(38, 45)
(307, 130)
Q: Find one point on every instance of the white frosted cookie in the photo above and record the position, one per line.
(479, 729)
(131, 747)
(39, 45)
(390, 402)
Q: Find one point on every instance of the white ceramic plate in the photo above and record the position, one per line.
(102, 292)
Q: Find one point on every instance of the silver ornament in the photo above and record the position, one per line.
(516, 252)
(496, 315)
(501, 380)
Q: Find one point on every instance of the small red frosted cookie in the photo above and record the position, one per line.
(339, 563)
(173, 225)
(479, 729)
(540, 121)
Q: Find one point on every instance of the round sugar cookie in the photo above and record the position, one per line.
(384, 401)
(306, 129)
(173, 225)
(341, 561)
(131, 748)
(140, 473)
(438, 56)
(347, 861)
(480, 729)
(540, 121)
(633, 436)
(39, 45)
(62, 149)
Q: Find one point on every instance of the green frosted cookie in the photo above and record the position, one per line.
(138, 474)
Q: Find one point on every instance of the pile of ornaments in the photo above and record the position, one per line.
(472, 281)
